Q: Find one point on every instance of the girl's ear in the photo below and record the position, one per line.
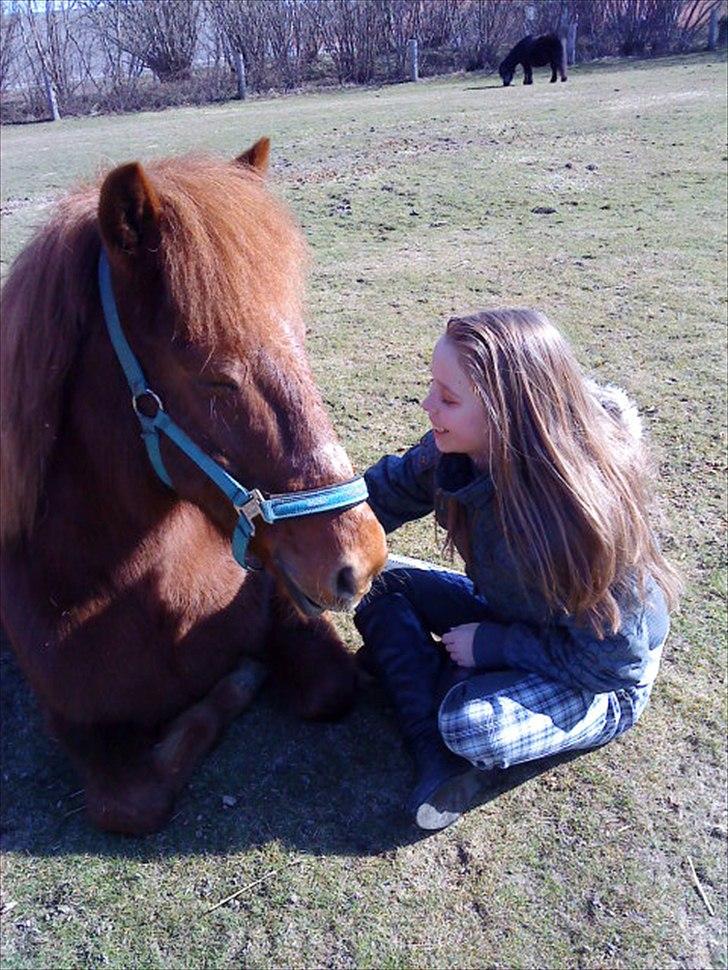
(257, 156)
(129, 212)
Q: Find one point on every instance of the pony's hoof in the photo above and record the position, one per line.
(330, 705)
(140, 811)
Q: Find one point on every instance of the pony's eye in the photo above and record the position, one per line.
(220, 386)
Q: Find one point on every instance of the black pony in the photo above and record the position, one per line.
(534, 52)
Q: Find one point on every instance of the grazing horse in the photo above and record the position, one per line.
(534, 52)
(138, 630)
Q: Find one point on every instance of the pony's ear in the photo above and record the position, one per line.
(129, 211)
(257, 156)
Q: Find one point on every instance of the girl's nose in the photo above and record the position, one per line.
(425, 403)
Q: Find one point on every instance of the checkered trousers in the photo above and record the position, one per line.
(503, 718)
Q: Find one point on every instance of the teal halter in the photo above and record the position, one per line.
(248, 503)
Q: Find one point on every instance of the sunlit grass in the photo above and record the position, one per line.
(418, 202)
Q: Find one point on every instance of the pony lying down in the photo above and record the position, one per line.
(161, 429)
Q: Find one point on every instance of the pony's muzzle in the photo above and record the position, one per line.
(341, 594)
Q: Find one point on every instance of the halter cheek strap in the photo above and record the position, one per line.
(248, 503)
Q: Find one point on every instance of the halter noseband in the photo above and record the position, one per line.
(248, 503)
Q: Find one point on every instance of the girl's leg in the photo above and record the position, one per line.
(509, 717)
(396, 621)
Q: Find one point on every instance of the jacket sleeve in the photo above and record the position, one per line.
(401, 487)
(574, 655)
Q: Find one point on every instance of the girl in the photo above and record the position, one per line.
(553, 640)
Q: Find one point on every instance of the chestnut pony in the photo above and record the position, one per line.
(137, 629)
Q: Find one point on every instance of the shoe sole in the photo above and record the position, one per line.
(448, 802)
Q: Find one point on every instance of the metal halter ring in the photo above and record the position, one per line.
(146, 393)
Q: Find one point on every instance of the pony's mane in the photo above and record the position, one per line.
(232, 256)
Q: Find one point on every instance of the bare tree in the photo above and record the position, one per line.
(161, 34)
(51, 49)
(242, 27)
(9, 46)
(693, 19)
(354, 34)
(293, 37)
(485, 28)
(107, 24)
(655, 26)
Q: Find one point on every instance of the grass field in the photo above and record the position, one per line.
(418, 200)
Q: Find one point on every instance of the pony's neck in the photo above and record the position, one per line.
(101, 471)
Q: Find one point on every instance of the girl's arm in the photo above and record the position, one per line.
(401, 487)
(574, 655)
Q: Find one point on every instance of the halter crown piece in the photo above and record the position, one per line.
(248, 503)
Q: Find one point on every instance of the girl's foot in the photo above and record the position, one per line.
(448, 801)
(445, 786)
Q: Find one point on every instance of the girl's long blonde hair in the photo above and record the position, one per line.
(572, 481)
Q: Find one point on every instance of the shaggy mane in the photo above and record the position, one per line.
(231, 253)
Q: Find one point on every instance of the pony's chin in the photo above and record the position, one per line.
(301, 601)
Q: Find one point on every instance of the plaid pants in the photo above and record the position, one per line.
(504, 718)
(499, 718)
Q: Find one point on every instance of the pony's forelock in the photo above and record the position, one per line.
(230, 250)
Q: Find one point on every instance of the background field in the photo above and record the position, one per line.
(419, 201)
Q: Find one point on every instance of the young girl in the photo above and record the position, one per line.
(553, 640)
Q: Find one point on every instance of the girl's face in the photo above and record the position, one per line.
(455, 411)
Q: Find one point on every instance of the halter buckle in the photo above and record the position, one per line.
(252, 506)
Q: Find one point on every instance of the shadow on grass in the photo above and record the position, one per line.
(311, 788)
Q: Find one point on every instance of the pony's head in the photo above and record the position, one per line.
(206, 267)
(506, 72)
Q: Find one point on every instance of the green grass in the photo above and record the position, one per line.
(417, 201)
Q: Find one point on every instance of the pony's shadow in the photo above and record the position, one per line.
(318, 789)
(483, 87)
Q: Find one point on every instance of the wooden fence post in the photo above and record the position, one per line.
(411, 62)
(713, 30)
(240, 73)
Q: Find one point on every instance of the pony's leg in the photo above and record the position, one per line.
(553, 73)
(190, 736)
(131, 781)
(527, 75)
(123, 790)
(310, 666)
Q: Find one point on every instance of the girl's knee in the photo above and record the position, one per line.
(393, 583)
(377, 607)
(471, 730)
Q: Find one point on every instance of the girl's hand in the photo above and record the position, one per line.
(459, 644)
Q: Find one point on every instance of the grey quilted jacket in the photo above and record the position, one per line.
(522, 629)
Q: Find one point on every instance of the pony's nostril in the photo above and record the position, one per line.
(346, 582)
